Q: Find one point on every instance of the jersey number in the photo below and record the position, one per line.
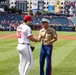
(19, 34)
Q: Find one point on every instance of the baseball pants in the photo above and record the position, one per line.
(26, 56)
(46, 53)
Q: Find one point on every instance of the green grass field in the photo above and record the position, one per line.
(63, 56)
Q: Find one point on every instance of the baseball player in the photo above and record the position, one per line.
(48, 36)
(25, 35)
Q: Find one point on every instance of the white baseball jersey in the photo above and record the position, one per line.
(23, 31)
(25, 53)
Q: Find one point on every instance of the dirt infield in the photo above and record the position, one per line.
(67, 37)
(59, 37)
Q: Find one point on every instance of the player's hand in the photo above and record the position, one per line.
(36, 40)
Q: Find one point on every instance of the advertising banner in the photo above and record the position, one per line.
(34, 6)
(57, 5)
(51, 6)
(21, 5)
(75, 3)
(63, 28)
(41, 6)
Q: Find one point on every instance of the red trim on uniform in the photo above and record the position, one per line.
(51, 68)
(51, 61)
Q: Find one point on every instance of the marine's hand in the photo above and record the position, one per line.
(48, 43)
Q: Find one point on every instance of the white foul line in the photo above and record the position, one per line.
(6, 36)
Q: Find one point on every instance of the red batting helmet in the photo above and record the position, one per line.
(28, 17)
